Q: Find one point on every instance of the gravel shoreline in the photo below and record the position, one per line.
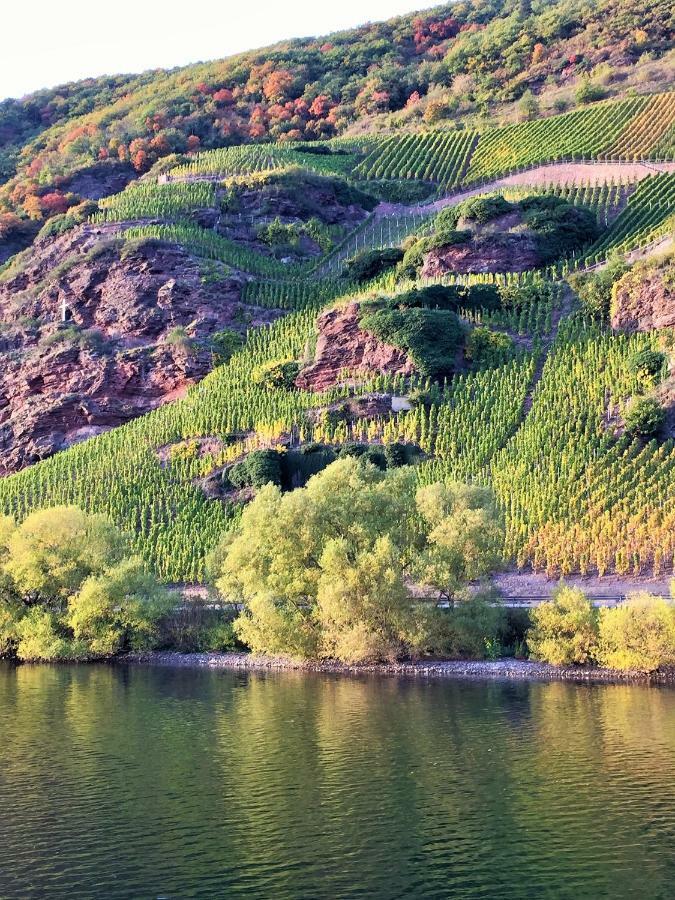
(499, 669)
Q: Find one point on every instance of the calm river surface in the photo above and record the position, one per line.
(146, 782)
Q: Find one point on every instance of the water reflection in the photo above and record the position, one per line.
(119, 782)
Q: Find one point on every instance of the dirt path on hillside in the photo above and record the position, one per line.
(541, 176)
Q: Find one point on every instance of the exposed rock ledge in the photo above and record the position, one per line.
(343, 346)
(498, 669)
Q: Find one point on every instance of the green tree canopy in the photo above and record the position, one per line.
(565, 629)
(325, 570)
(69, 588)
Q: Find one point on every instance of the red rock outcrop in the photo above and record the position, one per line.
(508, 252)
(116, 357)
(342, 345)
(644, 298)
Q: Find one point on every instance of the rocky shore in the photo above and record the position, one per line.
(498, 669)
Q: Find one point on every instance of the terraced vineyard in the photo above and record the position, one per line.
(576, 497)
(534, 423)
(650, 133)
(209, 245)
(649, 214)
(438, 156)
(295, 295)
(551, 475)
(375, 233)
(146, 200)
(582, 134)
(606, 200)
(243, 160)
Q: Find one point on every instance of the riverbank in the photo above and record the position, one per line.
(476, 670)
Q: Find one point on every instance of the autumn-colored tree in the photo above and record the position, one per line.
(277, 85)
(320, 106)
(538, 53)
(223, 96)
(32, 207)
(53, 203)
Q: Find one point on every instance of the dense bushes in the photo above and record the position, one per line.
(595, 290)
(485, 347)
(198, 626)
(564, 630)
(431, 337)
(400, 191)
(638, 635)
(278, 373)
(560, 227)
(647, 364)
(484, 209)
(473, 629)
(370, 263)
(289, 469)
(454, 297)
(323, 571)
(259, 468)
(414, 255)
(644, 417)
(69, 589)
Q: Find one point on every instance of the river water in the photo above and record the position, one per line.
(141, 782)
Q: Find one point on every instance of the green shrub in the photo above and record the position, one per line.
(638, 635)
(225, 344)
(414, 255)
(485, 209)
(197, 627)
(69, 589)
(431, 337)
(514, 632)
(179, 337)
(260, 467)
(277, 234)
(644, 417)
(560, 227)
(595, 290)
(64, 222)
(647, 364)
(298, 466)
(588, 92)
(518, 297)
(351, 448)
(396, 455)
(74, 336)
(472, 629)
(400, 191)
(565, 629)
(449, 296)
(278, 373)
(485, 347)
(369, 263)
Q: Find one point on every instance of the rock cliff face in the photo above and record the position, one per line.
(137, 334)
(644, 299)
(487, 253)
(342, 345)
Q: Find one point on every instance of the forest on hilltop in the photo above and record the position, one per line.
(463, 62)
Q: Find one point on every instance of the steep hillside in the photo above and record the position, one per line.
(464, 290)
